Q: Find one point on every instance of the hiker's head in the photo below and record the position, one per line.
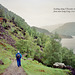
(18, 51)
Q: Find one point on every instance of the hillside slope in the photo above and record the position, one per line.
(36, 68)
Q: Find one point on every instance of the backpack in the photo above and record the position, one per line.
(18, 56)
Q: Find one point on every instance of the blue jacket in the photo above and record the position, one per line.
(19, 54)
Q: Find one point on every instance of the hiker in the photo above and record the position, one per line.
(18, 58)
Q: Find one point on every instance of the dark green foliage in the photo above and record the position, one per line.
(1, 13)
(38, 41)
(68, 57)
(52, 52)
(26, 46)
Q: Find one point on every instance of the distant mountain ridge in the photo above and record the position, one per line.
(50, 28)
(66, 29)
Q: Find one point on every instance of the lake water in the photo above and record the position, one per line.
(69, 43)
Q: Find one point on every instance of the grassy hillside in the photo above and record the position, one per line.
(66, 29)
(36, 68)
(6, 55)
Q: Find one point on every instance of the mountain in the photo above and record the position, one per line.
(50, 28)
(66, 29)
(40, 30)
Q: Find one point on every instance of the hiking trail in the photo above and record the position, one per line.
(13, 69)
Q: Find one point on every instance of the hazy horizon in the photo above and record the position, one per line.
(40, 12)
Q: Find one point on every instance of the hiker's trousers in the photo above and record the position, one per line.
(18, 62)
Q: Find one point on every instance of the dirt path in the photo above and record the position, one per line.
(14, 70)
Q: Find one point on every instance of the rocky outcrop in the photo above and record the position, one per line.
(63, 66)
(59, 65)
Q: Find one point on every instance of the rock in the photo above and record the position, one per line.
(29, 59)
(68, 67)
(1, 62)
(59, 65)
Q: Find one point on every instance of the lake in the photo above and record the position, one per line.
(69, 43)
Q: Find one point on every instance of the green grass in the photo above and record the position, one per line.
(5, 56)
(35, 68)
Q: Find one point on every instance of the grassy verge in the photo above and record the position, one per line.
(5, 57)
(35, 68)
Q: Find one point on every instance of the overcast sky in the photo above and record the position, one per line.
(40, 12)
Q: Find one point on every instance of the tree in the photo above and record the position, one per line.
(68, 57)
(1, 13)
(56, 37)
(26, 46)
(38, 41)
(52, 52)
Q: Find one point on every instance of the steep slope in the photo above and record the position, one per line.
(5, 35)
(66, 29)
(7, 47)
(12, 17)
